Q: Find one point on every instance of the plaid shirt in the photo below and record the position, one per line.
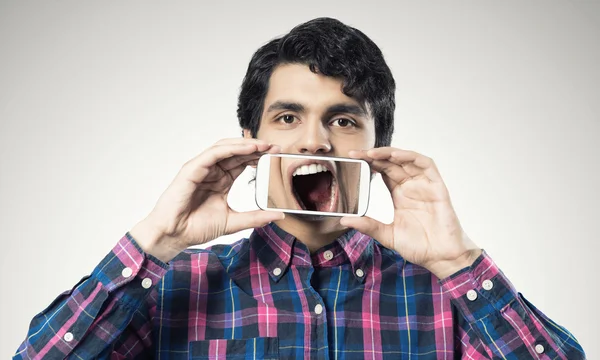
(268, 297)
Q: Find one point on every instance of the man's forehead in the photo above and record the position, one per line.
(296, 84)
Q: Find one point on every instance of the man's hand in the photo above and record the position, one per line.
(194, 210)
(425, 230)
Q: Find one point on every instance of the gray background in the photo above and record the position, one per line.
(102, 102)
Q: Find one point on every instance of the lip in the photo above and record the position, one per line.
(329, 165)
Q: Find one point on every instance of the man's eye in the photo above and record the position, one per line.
(288, 119)
(343, 122)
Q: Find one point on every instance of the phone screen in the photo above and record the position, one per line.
(319, 184)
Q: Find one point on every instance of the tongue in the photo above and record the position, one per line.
(314, 190)
(320, 192)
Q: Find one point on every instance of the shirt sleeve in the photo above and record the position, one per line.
(499, 322)
(105, 315)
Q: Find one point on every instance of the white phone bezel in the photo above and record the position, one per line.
(262, 184)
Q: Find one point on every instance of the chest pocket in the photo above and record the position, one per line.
(238, 349)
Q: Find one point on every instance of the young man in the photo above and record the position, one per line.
(301, 287)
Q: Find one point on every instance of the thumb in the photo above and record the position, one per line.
(239, 221)
(366, 225)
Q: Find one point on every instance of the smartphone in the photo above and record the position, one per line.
(313, 185)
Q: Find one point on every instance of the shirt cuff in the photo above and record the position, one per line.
(127, 264)
(479, 289)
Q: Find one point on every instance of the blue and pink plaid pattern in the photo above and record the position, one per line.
(267, 297)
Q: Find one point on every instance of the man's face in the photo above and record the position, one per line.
(307, 113)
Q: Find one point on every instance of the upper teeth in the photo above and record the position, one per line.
(309, 169)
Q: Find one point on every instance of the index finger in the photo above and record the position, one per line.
(197, 168)
(240, 140)
(386, 159)
(385, 153)
(247, 160)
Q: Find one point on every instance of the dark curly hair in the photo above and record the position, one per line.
(333, 49)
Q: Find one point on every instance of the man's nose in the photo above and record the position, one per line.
(314, 139)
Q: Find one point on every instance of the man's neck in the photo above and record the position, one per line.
(313, 234)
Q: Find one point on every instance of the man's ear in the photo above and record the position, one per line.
(247, 134)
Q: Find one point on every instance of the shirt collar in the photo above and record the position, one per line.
(359, 250)
(274, 249)
(277, 249)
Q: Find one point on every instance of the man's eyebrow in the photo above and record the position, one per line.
(341, 108)
(347, 109)
(286, 105)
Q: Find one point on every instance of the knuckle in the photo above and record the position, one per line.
(185, 170)
(186, 165)
(427, 161)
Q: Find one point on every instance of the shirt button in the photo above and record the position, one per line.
(472, 295)
(69, 337)
(318, 309)
(146, 283)
(360, 273)
(126, 272)
(539, 348)
(488, 285)
(328, 255)
(277, 271)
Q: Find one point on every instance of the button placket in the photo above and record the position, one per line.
(68, 337)
(318, 309)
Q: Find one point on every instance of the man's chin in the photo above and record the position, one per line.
(309, 217)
